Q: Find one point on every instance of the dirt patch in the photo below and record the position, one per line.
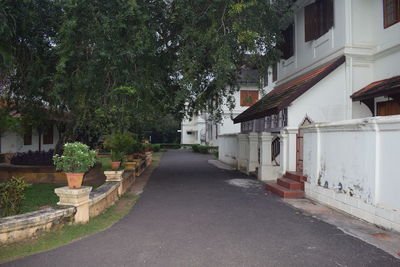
(245, 183)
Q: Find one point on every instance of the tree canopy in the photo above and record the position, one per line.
(117, 65)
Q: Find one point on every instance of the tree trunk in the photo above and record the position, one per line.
(40, 138)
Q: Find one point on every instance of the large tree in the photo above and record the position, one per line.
(110, 65)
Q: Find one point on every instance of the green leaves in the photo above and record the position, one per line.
(76, 158)
(116, 64)
(11, 196)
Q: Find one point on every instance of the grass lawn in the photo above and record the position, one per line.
(38, 195)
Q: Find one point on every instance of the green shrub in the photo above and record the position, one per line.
(120, 143)
(195, 148)
(116, 156)
(134, 147)
(204, 149)
(170, 146)
(156, 147)
(11, 196)
(77, 157)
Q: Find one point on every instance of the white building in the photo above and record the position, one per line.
(200, 129)
(340, 63)
(12, 142)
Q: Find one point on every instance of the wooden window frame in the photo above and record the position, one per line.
(48, 135)
(274, 72)
(287, 46)
(396, 4)
(248, 93)
(318, 19)
(27, 136)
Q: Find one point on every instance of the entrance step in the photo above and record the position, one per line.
(290, 184)
(295, 176)
(284, 192)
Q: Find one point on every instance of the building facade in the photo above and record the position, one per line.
(340, 64)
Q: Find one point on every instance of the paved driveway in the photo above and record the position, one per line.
(193, 214)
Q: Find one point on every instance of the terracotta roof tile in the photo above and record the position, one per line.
(281, 96)
(384, 87)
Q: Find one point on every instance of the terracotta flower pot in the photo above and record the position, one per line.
(129, 157)
(74, 179)
(115, 165)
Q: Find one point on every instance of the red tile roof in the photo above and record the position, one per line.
(281, 96)
(385, 87)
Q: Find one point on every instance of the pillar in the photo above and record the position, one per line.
(78, 198)
(242, 153)
(253, 152)
(266, 170)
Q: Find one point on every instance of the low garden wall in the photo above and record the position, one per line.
(353, 166)
(32, 174)
(45, 174)
(228, 149)
(20, 227)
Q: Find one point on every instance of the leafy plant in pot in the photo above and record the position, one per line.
(118, 144)
(116, 158)
(133, 149)
(76, 159)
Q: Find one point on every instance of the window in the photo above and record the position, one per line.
(28, 136)
(275, 72)
(248, 97)
(48, 135)
(287, 47)
(391, 12)
(318, 19)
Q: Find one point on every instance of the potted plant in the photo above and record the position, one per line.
(118, 143)
(76, 159)
(116, 158)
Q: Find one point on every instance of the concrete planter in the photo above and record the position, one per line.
(130, 165)
(113, 176)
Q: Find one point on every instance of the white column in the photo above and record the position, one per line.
(291, 148)
(242, 153)
(283, 155)
(266, 169)
(253, 152)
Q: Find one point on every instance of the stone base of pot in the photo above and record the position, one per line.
(113, 176)
(74, 179)
(130, 165)
(78, 198)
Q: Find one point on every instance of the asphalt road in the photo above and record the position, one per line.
(194, 214)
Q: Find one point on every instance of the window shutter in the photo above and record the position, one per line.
(248, 97)
(28, 136)
(275, 72)
(287, 46)
(310, 25)
(328, 15)
(48, 136)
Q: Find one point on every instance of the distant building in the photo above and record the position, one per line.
(200, 129)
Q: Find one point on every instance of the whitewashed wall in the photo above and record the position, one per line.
(12, 142)
(324, 102)
(307, 54)
(228, 149)
(354, 166)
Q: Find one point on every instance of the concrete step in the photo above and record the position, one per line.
(290, 184)
(284, 192)
(295, 176)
